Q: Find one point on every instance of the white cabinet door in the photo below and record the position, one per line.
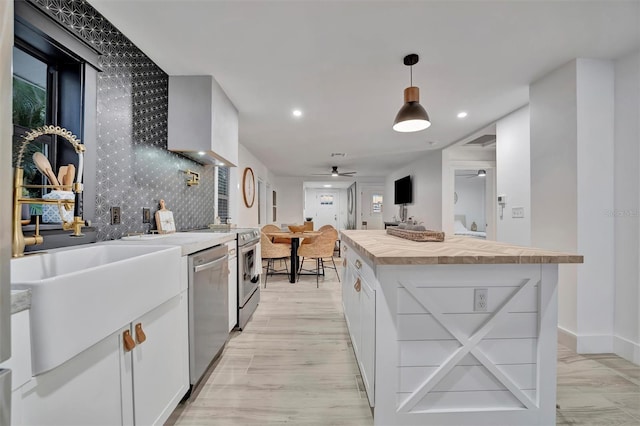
(368, 338)
(354, 312)
(85, 390)
(233, 290)
(161, 362)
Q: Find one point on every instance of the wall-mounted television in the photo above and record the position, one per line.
(403, 191)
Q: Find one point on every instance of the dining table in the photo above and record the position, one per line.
(295, 243)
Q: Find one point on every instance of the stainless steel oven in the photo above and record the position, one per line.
(249, 269)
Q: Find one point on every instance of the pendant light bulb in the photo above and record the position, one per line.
(412, 117)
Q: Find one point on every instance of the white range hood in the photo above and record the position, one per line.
(203, 122)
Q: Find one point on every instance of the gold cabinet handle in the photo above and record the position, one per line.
(129, 344)
(140, 336)
(358, 264)
(357, 285)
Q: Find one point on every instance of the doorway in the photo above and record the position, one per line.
(371, 207)
(470, 212)
(323, 207)
(455, 205)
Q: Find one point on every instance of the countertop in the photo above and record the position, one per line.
(190, 242)
(20, 300)
(383, 249)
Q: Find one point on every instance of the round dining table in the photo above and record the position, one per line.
(295, 243)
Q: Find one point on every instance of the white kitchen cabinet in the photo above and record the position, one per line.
(110, 385)
(359, 301)
(233, 284)
(161, 363)
(202, 119)
(19, 363)
(85, 390)
(368, 338)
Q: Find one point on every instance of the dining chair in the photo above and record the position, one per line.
(274, 228)
(337, 245)
(321, 248)
(270, 252)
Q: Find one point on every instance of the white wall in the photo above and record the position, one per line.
(471, 203)
(240, 214)
(626, 213)
(426, 176)
(290, 199)
(6, 130)
(571, 188)
(513, 176)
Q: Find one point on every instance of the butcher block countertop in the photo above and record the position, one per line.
(383, 249)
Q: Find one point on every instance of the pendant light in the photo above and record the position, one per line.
(412, 117)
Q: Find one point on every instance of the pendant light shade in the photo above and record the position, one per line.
(412, 117)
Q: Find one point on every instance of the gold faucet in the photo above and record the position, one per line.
(19, 241)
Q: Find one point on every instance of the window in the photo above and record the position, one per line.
(47, 89)
(223, 193)
(326, 200)
(30, 110)
(376, 203)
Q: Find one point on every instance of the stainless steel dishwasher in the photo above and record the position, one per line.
(208, 308)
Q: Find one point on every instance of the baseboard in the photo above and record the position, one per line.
(622, 347)
(626, 349)
(595, 344)
(567, 338)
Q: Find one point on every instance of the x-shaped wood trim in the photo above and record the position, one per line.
(468, 346)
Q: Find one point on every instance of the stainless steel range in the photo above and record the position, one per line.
(249, 269)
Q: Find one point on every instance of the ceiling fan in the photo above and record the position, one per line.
(335, 172)
(480, 173)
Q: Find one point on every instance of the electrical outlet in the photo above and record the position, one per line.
(480, 299)
(146, 215)
(517, 212)
(115, 215)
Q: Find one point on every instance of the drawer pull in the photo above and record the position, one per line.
(358, 264)
(140, 336)
(129, 344)
(344, 262)
(357, 285)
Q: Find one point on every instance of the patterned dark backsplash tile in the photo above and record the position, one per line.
(134, 167)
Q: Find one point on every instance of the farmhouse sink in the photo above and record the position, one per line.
(83, 294)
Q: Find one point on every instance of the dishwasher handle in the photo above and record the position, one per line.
(211, 264)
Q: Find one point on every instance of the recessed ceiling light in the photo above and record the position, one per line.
(221, 164)
(297, 113)
(462, 114)
(327, 186)
(201, 152)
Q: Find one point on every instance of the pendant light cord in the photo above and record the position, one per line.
(411, 74)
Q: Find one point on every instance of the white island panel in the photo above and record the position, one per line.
(458, 366)
(438, 360)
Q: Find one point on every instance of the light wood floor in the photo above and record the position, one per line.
(293, 364)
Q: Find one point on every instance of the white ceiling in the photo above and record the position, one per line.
(341, 63)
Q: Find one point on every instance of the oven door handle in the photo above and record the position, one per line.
(248, 249)
(209, 265)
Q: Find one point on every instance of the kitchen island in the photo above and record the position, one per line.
(460, 332)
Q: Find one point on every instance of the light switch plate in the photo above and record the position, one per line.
(517, 212)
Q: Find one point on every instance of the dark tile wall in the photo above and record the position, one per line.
(133, 167)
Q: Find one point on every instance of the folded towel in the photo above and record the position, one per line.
(257, 262)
